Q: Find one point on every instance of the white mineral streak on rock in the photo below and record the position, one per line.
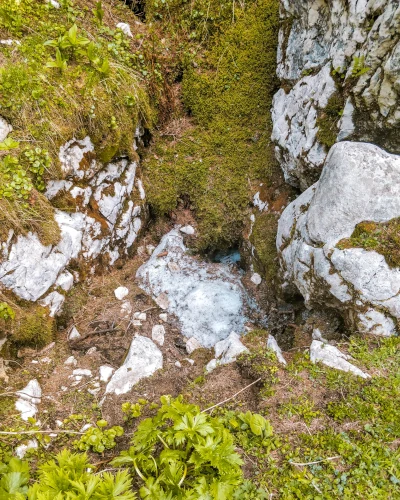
(273, 345)
(360, 182)
(257, 202)
(332, 357)
(29, 397)
(143, 359)
(208, 299)
(226, 351)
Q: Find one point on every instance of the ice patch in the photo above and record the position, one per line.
(208, 299)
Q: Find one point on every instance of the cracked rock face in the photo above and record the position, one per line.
(360, 182)
(108, 216)
(358, 41)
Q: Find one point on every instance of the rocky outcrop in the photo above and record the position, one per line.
(104, 211)
(341, 52)
(360, 182)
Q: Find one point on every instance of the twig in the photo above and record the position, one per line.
(226, 400)
(16, 433)
(316, 462)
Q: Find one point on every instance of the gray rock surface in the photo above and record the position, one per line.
(226, 351)
(273, 345)
(359, 41)
(143, 359)
(332, 357)
(360, 182)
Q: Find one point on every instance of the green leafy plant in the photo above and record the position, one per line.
(182, 453)
(133, 410)
(38, 163)
(359, 67)
(6, 312)
(99, 438)
(98, 13)
(60, 62)
(68, 476)
(15, 182)
(8, 143)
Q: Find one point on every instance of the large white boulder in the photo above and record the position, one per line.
(143, 359)
(359, 43)
(208, 299)
(360, 182)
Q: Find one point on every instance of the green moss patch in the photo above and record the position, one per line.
(212, 162)
(328, 118)
(383, 238)
(32, 327)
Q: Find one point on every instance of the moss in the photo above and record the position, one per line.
(47, 106)
(33, 327)
(328, 118)
(212, 163)
(263, 238)
(383, 238)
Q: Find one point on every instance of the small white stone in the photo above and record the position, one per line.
(121, 292)
(106, 372)
(20, 451)
(187, 230)
(82, 372)
(136, 322)
(59, 423)
(192, 345)
(162, 301)
(158, 334)
(91, 351)
(125, 28)
(54, 3)
(85, 427)
(64, 388)
(163, 317)
(74, 334)
(29, 397)
(178, 364)
(316, 335)
(273, 345)
(5, 127)
(45, 360)
(226, 351)
(126, 309)
(142, 316)
(35, 361)
(256, 279)
(189, 360)
(54, 301)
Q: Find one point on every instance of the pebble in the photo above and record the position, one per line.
(91, 351)
(158, 334)
(82, 372)
(256, 279)
(162, 301)
(178, 364)
(71, 361)
(121, 292)
(74, 334)
(192, 345)
(187, 230)
(163, 317)
(106, 372)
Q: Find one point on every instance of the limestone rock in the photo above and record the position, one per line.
(360, 42)
(208, 299)
(189, 230)
(105, 373)
(158, 334)
(125, 28)
(143, 359)
(121, 292)
(332, 357)
(360, 182)
(273, 345)
(29, 397)
(192, 345)
(226, 351)
(54, 301)
(256, 279)
(74, 334)
(71, 361)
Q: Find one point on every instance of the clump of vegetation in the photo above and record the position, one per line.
(359, 67)
(32, 326)
(228, 82)
(183, 453)
(382, 237)
(99, 438)
(263, 238)
(328, 118)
